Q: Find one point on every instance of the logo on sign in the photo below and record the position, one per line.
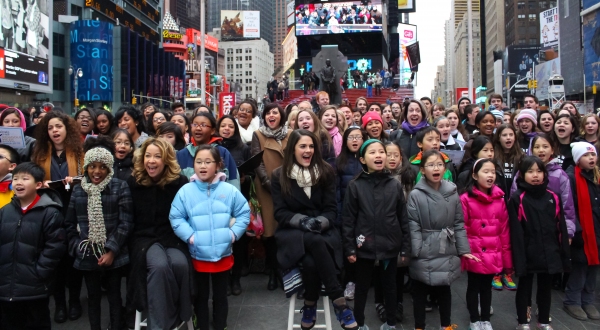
(227, 104)
(408, 34)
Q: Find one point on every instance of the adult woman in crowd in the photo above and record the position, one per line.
(289, 108)
(362, 104)
(124, 149)
(457, 130)
(13, 117)
(309, 121)
(272, 138)
(156, 118)
(590, 129)
(329, 120)
(341, 119)
(172, 133)
(447, 142)
(291, 120)
(546, 122)
(147, 109)
(86, 120)
(305, 208)
(485, 122)
(414, 119)
(572, 109)
(247, 119)
(437, 110)
(566, 131)
(58, 150)
(104, 122)
(159, 259)
(129, 118)
(389, 123)
(184, 124)
(396, 111)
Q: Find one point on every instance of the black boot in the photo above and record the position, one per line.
(60, 314)
(272, 280)
(236, 287)
(271, 254)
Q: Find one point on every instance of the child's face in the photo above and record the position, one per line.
(375, 157)
(433, 169)
(486, 176)
(356, 116)
(205, 166)
(170, 137)
(374, 129)
(444, 127)
(394, 158)
(227, 128)
(24, 185)
(97, 172)
(355, 140)
(430, 141)
(534, 175)
(506, 118)
(12, 120)
(122, 146)
(542, 149)
(486, 152)
(453, 118)
(437, 111)
(507, 139)
(563, 128)
(6, 164)
(526, 126)
(487, 125)
(588, 161)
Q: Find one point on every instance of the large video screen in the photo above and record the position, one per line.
(24, 45)
(339, 17)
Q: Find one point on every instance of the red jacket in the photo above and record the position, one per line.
(486, 223)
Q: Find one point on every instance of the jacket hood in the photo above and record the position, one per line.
(6, 178)
(219, 177)
(21, 117)
(496, 193)
(553, 164)
(48, 197)
(446, 188)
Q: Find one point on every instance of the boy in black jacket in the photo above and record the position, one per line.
(32, 242)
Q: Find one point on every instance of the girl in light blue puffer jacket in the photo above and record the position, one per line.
(210, 214)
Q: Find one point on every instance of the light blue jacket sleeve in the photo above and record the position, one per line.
(178, 216)
(241, 213)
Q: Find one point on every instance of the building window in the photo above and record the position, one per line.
(238, 51)
(521, 41)
(521, 5)
(229, 50)
(543, 4)
(532, 17)
(58, 44)
(238, 66)
(533, 41)
(58, 79)
(230, 59)
(238, 58)
(532, 4)
(521, 16)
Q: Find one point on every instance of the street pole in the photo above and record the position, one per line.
(470, 49)
(202, 66)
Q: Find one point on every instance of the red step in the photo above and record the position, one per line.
(297, 96)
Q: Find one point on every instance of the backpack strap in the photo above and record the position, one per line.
(521, 214)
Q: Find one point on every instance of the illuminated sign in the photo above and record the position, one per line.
(92, 52)
(171, 35)
(114, 12)
(146, 9)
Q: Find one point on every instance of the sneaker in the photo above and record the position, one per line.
(309, 317)
(508, 283)
(450, 327)
(486, 325)
(344, 314)
(386, 326)
(523, 327)
(592, 312)
(475, 325)
(497, 283)
(364, 327)
(537, 312)
(543, 327)
(380, 309)
(349, 292)
(576, 312)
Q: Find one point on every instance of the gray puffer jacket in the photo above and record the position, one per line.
(437, 231)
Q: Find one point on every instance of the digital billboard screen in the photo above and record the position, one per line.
(339, 17)
(237, 24)
(25, 45)
(408, 36)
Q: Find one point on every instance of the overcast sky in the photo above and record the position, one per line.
(430, 18)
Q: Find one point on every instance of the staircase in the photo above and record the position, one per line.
(297, 96)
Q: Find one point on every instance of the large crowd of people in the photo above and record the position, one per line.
(343, 198)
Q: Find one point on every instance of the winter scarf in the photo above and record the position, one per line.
(586, 218)
(336, 137)
(303, 178)
(414, 129)
(97, 230)
(278, 134)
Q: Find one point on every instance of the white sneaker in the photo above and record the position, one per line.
(349, 292)
(486, 325)
(475, 326)
(523, 327)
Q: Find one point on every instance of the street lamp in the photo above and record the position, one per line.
(76, 75)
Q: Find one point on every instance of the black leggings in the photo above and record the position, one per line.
(220, 304)
(378, 287)
(444, 298)
(365, 268)
(479, 290)
(240, 255)
(93, 282)
(543, 297)
(67, 277)
(318, 266)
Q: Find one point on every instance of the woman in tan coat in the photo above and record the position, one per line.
(272, 138)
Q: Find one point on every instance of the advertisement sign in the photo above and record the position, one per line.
(339, 17)
(463, 92)
(408, 35)
(406, 6)
(290, 13)
(520, 60)
(290, 49)
(25, 42)
(92, 52)
(237, 24)
(543, 72)
(591, 46)
(226, 103)
(114, 12)
(549, 31)
(12, 136)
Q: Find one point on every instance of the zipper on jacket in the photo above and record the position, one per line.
(14, 271)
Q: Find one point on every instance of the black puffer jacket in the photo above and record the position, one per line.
(375, 208)
(343, 178)
(31, 246)
(123, 167)
(407, 141)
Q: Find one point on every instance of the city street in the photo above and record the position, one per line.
(259, 309)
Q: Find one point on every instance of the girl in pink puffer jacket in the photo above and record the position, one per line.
(486, 223)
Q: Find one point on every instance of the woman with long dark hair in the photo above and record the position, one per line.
(104, 122)
(129, 118)
(305, 208)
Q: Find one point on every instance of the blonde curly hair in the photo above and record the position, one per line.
(171, 171)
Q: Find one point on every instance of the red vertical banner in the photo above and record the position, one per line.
(2, 63)
(226, 103)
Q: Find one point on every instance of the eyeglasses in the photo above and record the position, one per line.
(435, 166)
(123, 143)
(354, 138)
(4, 157)
(207, 162)
(245, 111)
(203, 125)
(159, 119)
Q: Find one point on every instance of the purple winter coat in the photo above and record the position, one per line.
(486, 223)
(558, 182)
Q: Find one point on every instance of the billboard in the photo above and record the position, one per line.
(406, 6)
(291, 18)
(591, 46)
(408, 35)
(549, 29)
(25, 42)
(337, 17)
(520, 60)
(237, 24)
(290, 49)
(92, 52)
(543, 72)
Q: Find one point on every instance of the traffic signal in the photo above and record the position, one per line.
(535, 84)
(76, 102)
(134, 100)
(530, 84)
(593, 89)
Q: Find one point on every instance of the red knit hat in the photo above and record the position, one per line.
(371, 115)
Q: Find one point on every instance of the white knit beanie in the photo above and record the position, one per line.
(578, 149)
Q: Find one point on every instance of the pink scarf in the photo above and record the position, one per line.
(336, 137)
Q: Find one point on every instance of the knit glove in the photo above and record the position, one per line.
(311, 225)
